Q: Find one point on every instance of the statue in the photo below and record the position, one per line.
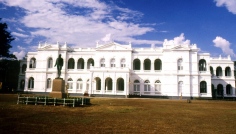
(59, 64)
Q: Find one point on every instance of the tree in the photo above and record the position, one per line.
(9, 66)
(5, 40)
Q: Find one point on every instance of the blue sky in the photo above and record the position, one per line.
(211, 24)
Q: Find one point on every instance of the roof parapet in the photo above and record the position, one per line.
(221, 58)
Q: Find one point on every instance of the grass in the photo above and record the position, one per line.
(112, 115)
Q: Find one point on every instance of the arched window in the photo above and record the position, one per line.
(203, 87)
(102, 62)
(50, 63)
(70, 83)
(147, 64)
(228, 89)
(136, 64)
(227, 71)
(220, 89)
(202, 65)
(212, 71)
(108, 84)
(147, 86)
(49, 83)
(136, 86)
(31, 83)
(122, 63)
(22, 84)
(71, 63)
(120, 84)
(98, 83)
(157, 86)
(113, 62)
(218, 71)
(80, 64)
(79, 84)
(90, 63)
(32, 63)
(180, 62)
(158, 64)
(23, 68)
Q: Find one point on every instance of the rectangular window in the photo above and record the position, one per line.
(146, 87)
(81, 86)
(136, 87)
(102, 65)
(113, 65)
(70, 85)
(180, 67)
(157, 88)
(122, 65)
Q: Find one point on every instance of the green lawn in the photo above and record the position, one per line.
(112, 115)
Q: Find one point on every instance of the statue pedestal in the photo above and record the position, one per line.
(58, 88)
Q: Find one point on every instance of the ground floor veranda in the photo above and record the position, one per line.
(121, 87)
(124, 84)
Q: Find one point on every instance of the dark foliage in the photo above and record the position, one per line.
(9, 66)
(9, 70)
(5, 40)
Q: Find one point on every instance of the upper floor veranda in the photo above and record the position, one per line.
(115, 57)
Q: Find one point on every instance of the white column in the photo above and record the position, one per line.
(26, 84)
(224, 90)
(152, 67)
(76, 63)
(127, 85)
(113, 86)
(102, 84)
(85, 86)
(233, 89)
(141, 66)
(131, 66)
(85, 65)
(141, 88)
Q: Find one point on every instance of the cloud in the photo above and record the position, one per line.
(56, 21)
(19, 29)
(20, 48)
(179, 40)
(229, 4)
(9, 20)
(107, 38)
(224, 45)
(127, 14)
(19, 34)
(21, 53)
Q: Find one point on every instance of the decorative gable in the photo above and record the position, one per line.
(181, 47)
(113, 47)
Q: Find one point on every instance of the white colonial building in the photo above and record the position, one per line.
(120, 70)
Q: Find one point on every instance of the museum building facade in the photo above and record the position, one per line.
(112, 69)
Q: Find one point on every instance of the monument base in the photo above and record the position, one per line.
(58, 89)
(57, 95)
